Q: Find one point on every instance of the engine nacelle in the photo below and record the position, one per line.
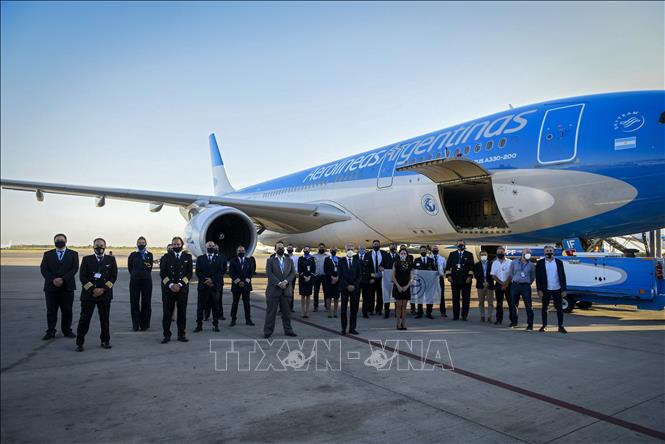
(226, 226)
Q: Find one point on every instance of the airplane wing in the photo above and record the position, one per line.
(284, 217)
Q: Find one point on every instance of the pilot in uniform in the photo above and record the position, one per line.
(459, 271)
(424, 263)
(98, 273)
(175, 269)
(139, 264)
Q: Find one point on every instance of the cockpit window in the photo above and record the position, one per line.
(662, 117)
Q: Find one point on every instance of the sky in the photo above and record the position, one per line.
(125, 94)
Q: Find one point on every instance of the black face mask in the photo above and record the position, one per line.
(376, 248)
(306, 252)
(321, 250)
(435, 252)
(333, 252)
(99, 250)
(280, 252)
(393, 249)
(241, 254)
(461, 247)
(549, 255)
(290, 251)
(500, 255)
(141, 247)
(211, 250)
(423, 254)
(177, 249)
(60, 244)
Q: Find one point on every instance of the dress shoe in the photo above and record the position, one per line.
(135, 329)
(48, 336)
(562, 330)
(207, 319)
(290, 333)
(183, 339)
(482, 319)
(79, 348)
(497, 323)
(429, 316)
(386, 315)
(343, 332)
(444, 315)
(366, 316)
(489, 320)
(249, 322)
(330, 316)
(222, 318)
(316, 309)
(456, 319)
(513, 325)
(215, 328)
(305, 316)
(334, 316)
(353, 332)
(542, 328)
(464, 318)
(70, 335)
(529, 328)
(403, 328)
(233, 323)
(419, 316)
(165, 340)
(198, 329)
(106, 345)
(266, 336)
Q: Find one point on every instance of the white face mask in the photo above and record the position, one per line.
(403, 256)
(527, 256)
(483, 258)
(349, 253)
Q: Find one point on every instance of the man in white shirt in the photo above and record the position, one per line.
(440, 262)
(500, 272)
(551, 284)
(319, 277)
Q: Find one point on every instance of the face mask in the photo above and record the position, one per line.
(362, 251)
(290, 251)
(549, 255)
(349, 253)
(527, 256)
(99, 250)
(461, 247)
(60, 244)
(141, 247)
(211, 250)
(306, 252)
(423, 253)
(333, 252)
(393, 249)
(376, 248)
(241, 254)
(435, 252)
(500, 255)
(177, 249)
(402, 256)
(483, 258)
(280, 252)
(321, 250)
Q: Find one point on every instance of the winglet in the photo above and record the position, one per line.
(220, 180)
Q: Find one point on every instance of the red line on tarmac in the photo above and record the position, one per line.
(495, 382)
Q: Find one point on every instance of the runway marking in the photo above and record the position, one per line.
(497, 383)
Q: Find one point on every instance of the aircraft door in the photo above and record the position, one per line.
(384, 178)
(559, 133)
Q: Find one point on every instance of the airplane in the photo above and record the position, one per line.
(588, 166)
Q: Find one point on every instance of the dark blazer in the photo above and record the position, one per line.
(386, 262)
(214, 270)
(541, 275)
(304, 263)
(349, 276)
(365, 264)
(329, 268)
(174, 271)
(242, 272)
(140, 268)
(482, 278)
(465, 271)
(389, 260)
(424, 263)
(108, 271)
(52, 268)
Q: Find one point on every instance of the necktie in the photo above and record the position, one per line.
(349, 261)
(210, 258)
(376, 262)
(177, 256)
(281, 265)
(60, 254)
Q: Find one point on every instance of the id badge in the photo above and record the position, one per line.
(308, 268)
(522, 274)
(97, 275)
(335, 268)
(459, 266)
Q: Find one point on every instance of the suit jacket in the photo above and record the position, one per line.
(481, 277)
(139, 267)
(385, 262)
(365, 264)
(464, 271)
(98, 274)
(389, 260)
(349, 275)
(242, 272)
(541, 275)
(424, 263)
(276, 275)
(176, 271)
(306, 266)
(52, 268)
(214, 270)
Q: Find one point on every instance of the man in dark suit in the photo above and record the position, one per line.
(389, 260)
(424, 263)
(59, 266)
(280, 272)
(363, 259)
(376, 262)
(210, 269)
(99, 272)
(331, 282)
(139, 264)
(175, 270)
(349, 281)
(482, 270)
(241, 270)
(459, 271)
(551, 284)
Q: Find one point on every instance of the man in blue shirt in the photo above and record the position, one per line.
(521, 276)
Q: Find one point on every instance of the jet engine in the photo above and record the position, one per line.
(227, 227)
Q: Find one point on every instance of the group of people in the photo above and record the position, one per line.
(346, 278)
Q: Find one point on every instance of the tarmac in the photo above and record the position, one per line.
(470, 382)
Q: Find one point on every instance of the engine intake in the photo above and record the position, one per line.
(227, 227)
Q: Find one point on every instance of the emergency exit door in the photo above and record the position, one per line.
(384, 178)
(559, 134)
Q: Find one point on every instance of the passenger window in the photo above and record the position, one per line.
(467, 150)
(488, 147)
(478, 148)
(502, 142)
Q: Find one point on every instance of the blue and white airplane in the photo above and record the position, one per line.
(590, 166)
